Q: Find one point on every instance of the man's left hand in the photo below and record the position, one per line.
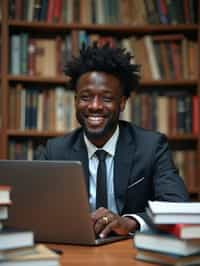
(106, 222)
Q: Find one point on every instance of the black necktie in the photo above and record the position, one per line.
(101, 184)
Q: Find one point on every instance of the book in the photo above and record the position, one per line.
(3, 212)
(15, 64)
(195, 114)
(13, 238)
(162, 212)
(57, 11)
(183, 231)
(159, 241)
(39, 256)
(162, 114)
(152, 57)
(5, 195)
(1, 225)
(10, 253)
(167, 259)
(12, 109)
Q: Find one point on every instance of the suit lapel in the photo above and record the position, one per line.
(79, 153)
(123, 162)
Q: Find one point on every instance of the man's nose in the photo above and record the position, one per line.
(96, 103)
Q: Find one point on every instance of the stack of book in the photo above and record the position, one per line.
(5, 202)
(17, 246)
(174, 235)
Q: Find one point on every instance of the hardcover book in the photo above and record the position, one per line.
(161, 212)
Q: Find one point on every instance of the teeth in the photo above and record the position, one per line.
(94, 118)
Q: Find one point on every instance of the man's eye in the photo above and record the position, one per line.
(84, 97)
(107, 99)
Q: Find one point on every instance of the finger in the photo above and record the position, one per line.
(103, 221)
(108, 229)
(100, 212)
(100, 224)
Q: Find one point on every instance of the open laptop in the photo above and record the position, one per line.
(50, 198)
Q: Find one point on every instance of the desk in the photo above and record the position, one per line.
(116, 254)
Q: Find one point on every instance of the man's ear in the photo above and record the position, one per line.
(123, 103)
(75, 96)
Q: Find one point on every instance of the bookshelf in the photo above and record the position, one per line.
(68, 33)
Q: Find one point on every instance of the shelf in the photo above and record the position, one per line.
(142, 29)
(183, 137)
(194, 190)
(178, 83)
(35, 133)
(62, 79)
(52, 80)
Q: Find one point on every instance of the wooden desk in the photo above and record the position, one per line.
(118, 254)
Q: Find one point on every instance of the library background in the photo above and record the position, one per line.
(164, 37)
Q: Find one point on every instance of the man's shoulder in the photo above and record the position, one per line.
(67, 139)
(140, 133)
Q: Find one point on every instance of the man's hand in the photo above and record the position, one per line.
(106, 222)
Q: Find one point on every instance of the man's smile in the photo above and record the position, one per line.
(95, 120)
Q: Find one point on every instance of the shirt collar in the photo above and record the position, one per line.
(109, 146)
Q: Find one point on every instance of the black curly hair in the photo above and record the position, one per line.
(115, 61)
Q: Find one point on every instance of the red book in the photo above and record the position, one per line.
(5, 195)
(176, 59)
(183, 231)
(186, 11)
(50, 11)
(57, 11)
(18, 9)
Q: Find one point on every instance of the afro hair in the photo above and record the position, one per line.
(112, 60)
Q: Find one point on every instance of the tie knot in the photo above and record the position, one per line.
(101, 155)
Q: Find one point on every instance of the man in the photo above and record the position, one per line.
(137, 165)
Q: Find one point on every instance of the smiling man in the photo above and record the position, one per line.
(99, 101)
(125, 165)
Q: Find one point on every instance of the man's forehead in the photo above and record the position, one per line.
(98, 77)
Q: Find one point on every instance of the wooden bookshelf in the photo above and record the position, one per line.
(42, 29)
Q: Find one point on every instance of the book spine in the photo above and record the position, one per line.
(15, 54)
(195, 115)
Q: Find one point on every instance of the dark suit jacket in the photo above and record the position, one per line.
(143, 168)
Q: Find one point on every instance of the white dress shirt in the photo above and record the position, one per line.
(109, 147)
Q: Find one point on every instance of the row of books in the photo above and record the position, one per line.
(173, 113)
(21, 150)
(17, 247)
(173, 237)
(38, 56)
(49, 109)
(53, 109)
(5, 202)
(166, 56)
(130, 12)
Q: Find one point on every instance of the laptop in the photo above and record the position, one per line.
(50, 198)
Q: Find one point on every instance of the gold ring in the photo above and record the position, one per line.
(105, 220)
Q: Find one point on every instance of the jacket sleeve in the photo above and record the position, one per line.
(168, 185)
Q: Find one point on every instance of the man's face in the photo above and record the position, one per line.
(98, 103)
